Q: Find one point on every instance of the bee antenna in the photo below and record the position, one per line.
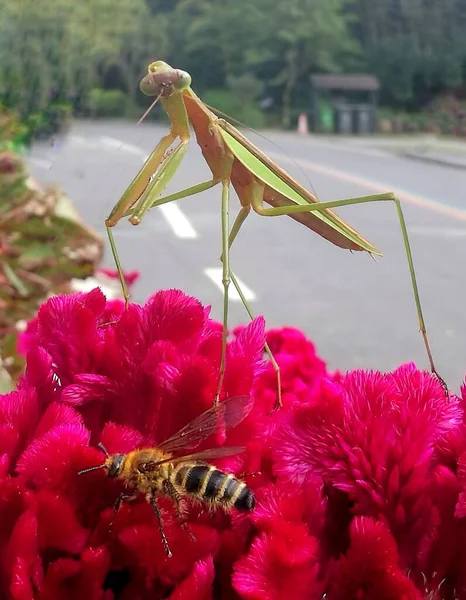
(104, 449)
(89, 469)
(102, 466)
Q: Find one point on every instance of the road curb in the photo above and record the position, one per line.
(436, 160)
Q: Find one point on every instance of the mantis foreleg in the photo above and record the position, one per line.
(131, 196)
(191, 191)
(146, 199)
(155, 187)
(139, 183)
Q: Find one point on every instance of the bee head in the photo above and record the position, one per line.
(112, 463)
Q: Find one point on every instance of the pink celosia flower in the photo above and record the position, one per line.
(125, 378)
(27, 332)
(370, 567)
(362, 486)
(130, 276)
(384, 447)
(283, 560)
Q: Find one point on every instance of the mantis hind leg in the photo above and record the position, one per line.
(242, 216)
(225, 282)
(388, 197)
(276, 367)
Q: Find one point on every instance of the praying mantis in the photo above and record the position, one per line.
(233, 159)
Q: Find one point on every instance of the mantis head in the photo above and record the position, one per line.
(162, 80)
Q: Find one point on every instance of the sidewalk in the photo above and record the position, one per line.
(449, 159)
(427, 148)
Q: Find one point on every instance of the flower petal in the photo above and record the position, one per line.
(53, 509)
(370, 568)
(51, 460)
(279, 566)
(199, 583)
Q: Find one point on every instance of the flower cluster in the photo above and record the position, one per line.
(360, 480)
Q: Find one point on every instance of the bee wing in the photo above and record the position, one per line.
(202, 455)
(231, 412)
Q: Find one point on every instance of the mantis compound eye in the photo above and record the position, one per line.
(164, 82)
(184, 80)
(150, 85)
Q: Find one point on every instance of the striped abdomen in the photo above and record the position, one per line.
(211, 485)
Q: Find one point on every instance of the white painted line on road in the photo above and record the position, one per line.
(438, 232)
(378, 187)
(215, 275)
(180, 224)
(119, 145)
(39, 162)
(80, 140)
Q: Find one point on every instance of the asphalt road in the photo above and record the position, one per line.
(359, 312)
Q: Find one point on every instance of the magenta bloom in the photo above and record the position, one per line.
(387, 449)
(127, 378)
(362, 486)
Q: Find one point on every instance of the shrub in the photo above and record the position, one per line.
(13, 133)
(44, 246)
(230, 104)
(107, 103)
(46, 123)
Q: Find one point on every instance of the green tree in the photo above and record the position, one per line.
(307, 36)
(64, 48)
(281, 43)
(415, 47)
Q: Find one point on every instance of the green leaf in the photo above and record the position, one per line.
(6, 382)
(15, 281)
(37, 251)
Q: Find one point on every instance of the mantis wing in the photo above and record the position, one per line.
(282, 190)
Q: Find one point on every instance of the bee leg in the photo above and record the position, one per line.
(155, 507)
(116, 507)
(123, 498)
(170, 490)
(253, 474)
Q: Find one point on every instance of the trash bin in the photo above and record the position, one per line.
(363, 119)
(343, 119)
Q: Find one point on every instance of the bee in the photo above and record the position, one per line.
(170, 470)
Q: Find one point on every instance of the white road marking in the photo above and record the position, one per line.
(119, 145)
(177, 220)
(215, 275)
(79, 140)
(40, 162)
(438, 232)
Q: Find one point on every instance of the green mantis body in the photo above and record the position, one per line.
(234, 160)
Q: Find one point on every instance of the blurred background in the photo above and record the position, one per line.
(351, 97)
